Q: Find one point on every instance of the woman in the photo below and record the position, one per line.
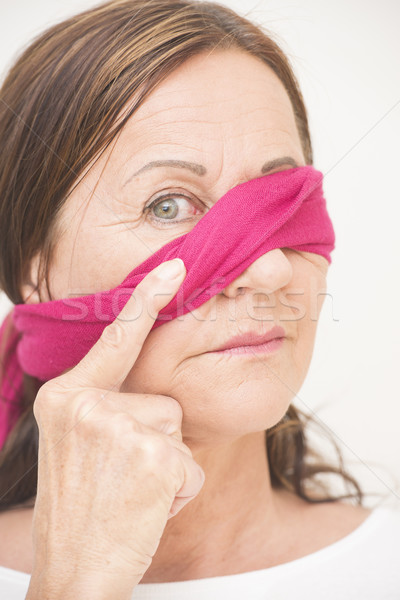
(168, 467)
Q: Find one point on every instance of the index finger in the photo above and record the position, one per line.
(109, 361)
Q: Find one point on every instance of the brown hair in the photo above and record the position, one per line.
(58, 112)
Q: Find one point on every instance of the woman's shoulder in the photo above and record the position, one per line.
(341, 530)
(337, 525)
(335, 520)
(346, 517)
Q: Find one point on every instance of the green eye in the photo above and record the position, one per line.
(167, 208)
(172, 208)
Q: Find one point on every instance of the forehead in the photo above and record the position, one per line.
(231, 77)
(226, 110)
(211, 98)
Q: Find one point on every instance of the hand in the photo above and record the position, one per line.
(112, 465)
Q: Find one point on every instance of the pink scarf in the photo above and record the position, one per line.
(283, 210)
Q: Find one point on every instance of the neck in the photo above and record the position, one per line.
(233, 523)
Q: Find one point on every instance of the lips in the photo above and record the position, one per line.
(253, 339)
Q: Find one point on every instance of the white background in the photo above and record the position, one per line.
(346, 56)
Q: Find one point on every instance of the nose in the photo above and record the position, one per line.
(268, 273)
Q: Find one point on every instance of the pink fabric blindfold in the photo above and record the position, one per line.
(283, 210)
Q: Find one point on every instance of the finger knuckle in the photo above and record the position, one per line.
(38, 404)
(82, 403)
(155, 451)
(141, 293)
(113, 335)
(161, 464)
(144, 296)
(123, 426)
(173, 410)
(44, 400)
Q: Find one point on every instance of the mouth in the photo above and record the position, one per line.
(253, 343)
(266, 348)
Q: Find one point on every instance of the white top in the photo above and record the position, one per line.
(364, 565)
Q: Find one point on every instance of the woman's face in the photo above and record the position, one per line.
(227, 115)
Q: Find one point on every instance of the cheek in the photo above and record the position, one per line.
(308, 286)
(316, 294)
(310, 281)
(159, 364)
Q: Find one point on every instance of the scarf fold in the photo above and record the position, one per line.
(286, 209)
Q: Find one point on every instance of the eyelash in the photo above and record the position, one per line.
(159, 200)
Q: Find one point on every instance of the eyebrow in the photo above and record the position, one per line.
(201, 170)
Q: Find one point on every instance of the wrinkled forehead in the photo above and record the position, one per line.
(220, 109)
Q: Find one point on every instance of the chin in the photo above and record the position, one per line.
(247, 409)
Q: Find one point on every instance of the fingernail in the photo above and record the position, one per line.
(171, 269)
